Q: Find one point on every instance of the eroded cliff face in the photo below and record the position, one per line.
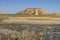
(33, 11)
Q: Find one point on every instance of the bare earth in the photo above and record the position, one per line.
(31, 20)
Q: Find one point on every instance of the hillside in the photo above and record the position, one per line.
(33, 11)
(2, 12)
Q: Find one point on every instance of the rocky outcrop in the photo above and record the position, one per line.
(33, 11)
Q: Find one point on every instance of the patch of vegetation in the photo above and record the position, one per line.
(23, 32)
(27, 15)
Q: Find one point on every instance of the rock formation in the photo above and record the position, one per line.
(33, 11)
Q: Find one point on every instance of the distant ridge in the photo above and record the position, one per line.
(33, 11)
(2, 12)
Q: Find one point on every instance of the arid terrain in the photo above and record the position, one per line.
(28, 31)
(30, 24)
(31, 15)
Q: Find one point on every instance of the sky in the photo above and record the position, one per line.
(14, 6)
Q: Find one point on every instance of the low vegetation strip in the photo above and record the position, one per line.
(25, 34)
(34, 18)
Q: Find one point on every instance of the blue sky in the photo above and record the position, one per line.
(14, 6)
